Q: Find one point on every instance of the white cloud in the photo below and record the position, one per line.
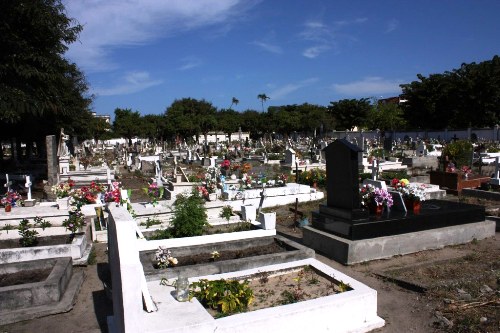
(315, 51)
(368, 86)
(269, 47)
(133, 82)
(282, 92)
(189, 63)
(392, 25)
(324, 36)
(109, 24)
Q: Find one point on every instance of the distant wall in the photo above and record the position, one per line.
(488, 134)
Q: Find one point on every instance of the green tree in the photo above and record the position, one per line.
(467, 96)
(349, 113)
(127, 123)
(263, 98)
(190, 117)
(36, 80)
(234, 101)
(386, 117)
(228, 121)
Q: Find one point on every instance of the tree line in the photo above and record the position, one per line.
(41, 91)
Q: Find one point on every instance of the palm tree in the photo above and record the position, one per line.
(235, 101)
(263, 98)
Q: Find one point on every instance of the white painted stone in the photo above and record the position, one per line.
(268, 220)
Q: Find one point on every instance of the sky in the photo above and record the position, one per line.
(145, 54)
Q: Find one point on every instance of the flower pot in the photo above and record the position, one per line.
(8, 208)
(376, 209)
(249, 213)
(212, 196)
(413, 205)
(268, 220)
(63, 203)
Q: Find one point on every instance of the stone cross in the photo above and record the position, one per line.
(159, 182)
(7, 183)
(28, 186)
(262, 197)
(374, 167)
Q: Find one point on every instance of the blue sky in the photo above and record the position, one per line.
(144, 54)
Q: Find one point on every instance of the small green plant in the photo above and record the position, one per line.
(150, 221)
(215, 255)
(225, 296)
(161, 234)
(190, 215)
(92, 260)
(8, 227)
(39, 222)
(28, 237)
(74, 222)
(263, 277)
(343, 287)
(227, 212)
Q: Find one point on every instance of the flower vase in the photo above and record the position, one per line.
(376, 209)
(212, 196)
(8, 208)
(63, 203)
(466, 176)
(416, 207)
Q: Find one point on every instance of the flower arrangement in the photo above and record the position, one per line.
(96, 188)
(282, 179)
(226, 164)
(314, 176)
(399, 183)
(408, 191)
(62, 190)
(371, 195)
(164, 258)
(246, 167)
(11, 198)
(450, 167)
(154, 192)
(114, 194)
(466, 170)
(74, 222)
(203, 191)
(235, 166)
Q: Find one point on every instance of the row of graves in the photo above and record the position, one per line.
(151, 278)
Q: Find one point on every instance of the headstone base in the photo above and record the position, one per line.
(350, 252)
(29, 203)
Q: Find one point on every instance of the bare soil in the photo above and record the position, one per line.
(203, 258)
(26, 276)
(41, 241)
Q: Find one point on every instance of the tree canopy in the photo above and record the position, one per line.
(37, 84)
(467, 96)
(350, 113)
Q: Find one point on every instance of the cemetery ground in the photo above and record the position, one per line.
(454, 289)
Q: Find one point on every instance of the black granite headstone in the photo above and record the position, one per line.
(342, 174)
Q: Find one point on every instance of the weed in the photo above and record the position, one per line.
(42, 223)
(150, 221)
(28, 237)
(225, 296)
(8, 227)
(92, 260)
(263, 277)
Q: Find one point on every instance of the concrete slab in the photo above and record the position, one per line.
(350, 252)
(66, 303)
